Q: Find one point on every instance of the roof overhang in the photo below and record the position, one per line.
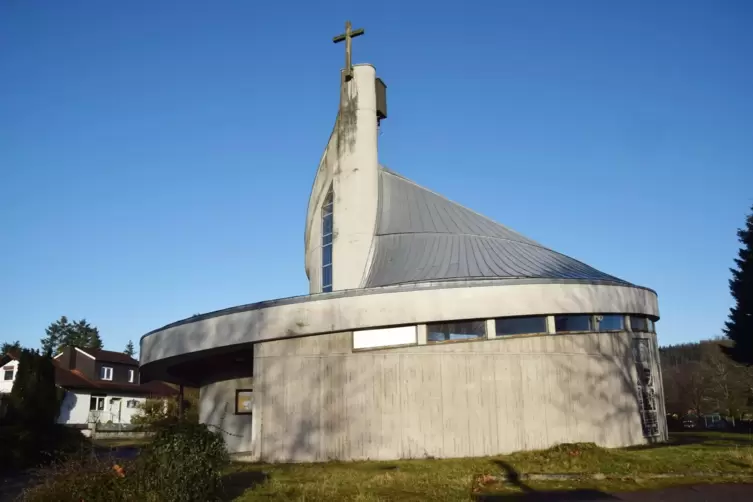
(240, 327)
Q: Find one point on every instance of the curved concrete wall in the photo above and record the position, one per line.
(317, 400)
(388, 307)
(351, 165)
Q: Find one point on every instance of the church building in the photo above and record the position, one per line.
(429, 330)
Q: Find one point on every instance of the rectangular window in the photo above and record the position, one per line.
(132, 403)
(8, 375)
(385, 337)
(105, 373)
(97, 403)
(565, 323)
(131, 376)
(520, 325)
(651, 325)
(448, 331)
(244, 401)
(638, 323)
(611, 322)
(327, 232)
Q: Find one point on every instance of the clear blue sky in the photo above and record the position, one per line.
(156, 157)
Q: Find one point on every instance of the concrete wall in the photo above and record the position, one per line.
(217, 409)
(319, 401)
(350, 165)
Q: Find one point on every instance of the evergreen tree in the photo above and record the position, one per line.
(85, 335)
(79, 334)
(10, 347)
(739, 328)
(56, 333)
(35, 401)
(129, 350)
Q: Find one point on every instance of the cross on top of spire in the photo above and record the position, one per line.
(347, 37)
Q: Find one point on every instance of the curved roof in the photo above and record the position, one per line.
(422, 237)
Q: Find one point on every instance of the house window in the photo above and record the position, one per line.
(131, 376)
(8, 374)
(565, 323)
(106, 373)
(132, 403)
(327, 227)
(638, 323)
(97, 403)
(611, 322)
(520, 325)
(448, 331)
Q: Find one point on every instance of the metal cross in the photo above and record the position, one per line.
(347, 36)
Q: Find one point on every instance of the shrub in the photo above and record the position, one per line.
(84, 479)
(25, 447)
(183, 463)
(162, 412)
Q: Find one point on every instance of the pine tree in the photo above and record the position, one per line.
(85, 335)
(10, 347)
(129, 350)
(739, 328)
(62, 333)
(56, 334)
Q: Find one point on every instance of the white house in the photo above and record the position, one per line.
(101, 386)
(10, 369)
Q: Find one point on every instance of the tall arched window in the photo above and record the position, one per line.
(327, 209)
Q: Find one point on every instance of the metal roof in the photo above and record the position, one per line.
(423, 237)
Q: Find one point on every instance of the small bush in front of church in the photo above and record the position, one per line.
(183, 463)
(84, 478)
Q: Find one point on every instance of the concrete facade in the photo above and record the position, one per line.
(351, 167)
(318, 400)
(404, 257)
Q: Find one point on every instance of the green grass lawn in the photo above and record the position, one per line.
(702, 456)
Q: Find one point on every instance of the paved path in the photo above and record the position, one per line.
(693, 493)
(690, 493)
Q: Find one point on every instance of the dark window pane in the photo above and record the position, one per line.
(651, 326)
(564, 323)
(466, 330)
(327, 255)
(520, 325)
(612, 323)
(327, 224)
(326, 240)
(8, 375)
(327, 277)
(638, 323)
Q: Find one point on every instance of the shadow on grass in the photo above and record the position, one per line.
(234, 484)
(531, 495)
